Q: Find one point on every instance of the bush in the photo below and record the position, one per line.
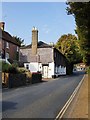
(8, 68)
(13, 69)
(20, 64)
(22, 69)
(5, 67)
(15, 64)
(36, 77)
(17, 80)
(88, 70)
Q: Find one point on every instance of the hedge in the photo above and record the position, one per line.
(16, 80)
(36, 78)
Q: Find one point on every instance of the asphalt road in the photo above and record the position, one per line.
(42, 100)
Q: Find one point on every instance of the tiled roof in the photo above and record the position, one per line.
(40, 45)
(7, 37)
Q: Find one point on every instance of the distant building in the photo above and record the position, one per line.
(42, 57)
(79, 67)
(9, 47)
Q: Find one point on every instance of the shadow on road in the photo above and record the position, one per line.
(7, 105)
(79, 73)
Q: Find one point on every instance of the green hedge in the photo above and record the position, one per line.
(88, 70)
(36, 77)
(8, 68)
(17, 80)
(5, 67)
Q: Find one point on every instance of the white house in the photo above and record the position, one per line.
(42, 57)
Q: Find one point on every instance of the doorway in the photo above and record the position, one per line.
(45, 71)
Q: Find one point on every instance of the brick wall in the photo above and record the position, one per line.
(12, 50)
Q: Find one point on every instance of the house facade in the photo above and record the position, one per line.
(79, 67)
(44, 58)
(9, 47)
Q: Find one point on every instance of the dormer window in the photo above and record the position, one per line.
(7, 45)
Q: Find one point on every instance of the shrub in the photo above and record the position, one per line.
(88, 70)
(22, 69)
(15, 64)
(28, 74)
(13, 69)
(8, 68)
(36, 77)
(5, 66)
(16, 80)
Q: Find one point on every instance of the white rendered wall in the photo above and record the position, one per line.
(61, 70)
(51, 70)
(25, 64)
(40, 67)
(33, 67)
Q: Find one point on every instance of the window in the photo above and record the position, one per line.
(27, 66)
(17, 49)
(7, 45)
(7, 55)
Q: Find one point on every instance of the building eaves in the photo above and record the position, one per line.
(7, 37)
(40, 45)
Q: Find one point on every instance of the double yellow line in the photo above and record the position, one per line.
(63, 110)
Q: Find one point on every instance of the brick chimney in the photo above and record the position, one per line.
(2, 25)
(34, 40)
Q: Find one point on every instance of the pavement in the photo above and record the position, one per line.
(79, 106)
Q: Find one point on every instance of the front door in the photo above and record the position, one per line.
(45, 71)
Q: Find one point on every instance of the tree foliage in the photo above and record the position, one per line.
(19, 40)
(69, 46)
(80, 10)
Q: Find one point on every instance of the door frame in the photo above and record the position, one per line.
(43, 70)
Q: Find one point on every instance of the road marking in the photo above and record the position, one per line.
(63, 110)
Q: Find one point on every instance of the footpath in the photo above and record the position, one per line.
(79, 106)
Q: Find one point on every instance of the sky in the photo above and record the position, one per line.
(50, 18)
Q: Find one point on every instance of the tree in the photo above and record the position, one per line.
(80, 10)
(69, 46)
(19, 40)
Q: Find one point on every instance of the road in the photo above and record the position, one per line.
(42, 100)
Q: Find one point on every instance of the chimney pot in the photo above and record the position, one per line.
(34, 28)
(2, 25)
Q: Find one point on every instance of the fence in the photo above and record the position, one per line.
(5, 78)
